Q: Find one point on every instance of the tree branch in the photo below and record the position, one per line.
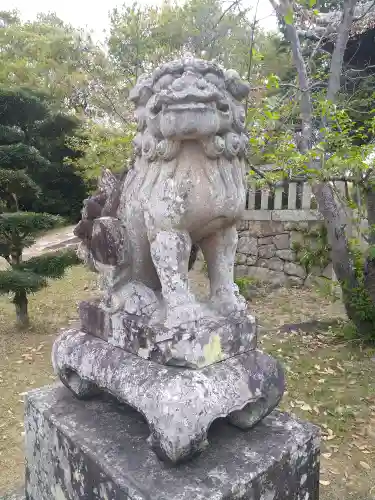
(282, 10)
(359, 18)
(337, 60)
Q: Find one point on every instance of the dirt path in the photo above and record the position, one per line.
(51, 241)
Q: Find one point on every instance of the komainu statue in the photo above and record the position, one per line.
(195, 360)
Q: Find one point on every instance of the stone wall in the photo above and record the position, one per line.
(265, 249)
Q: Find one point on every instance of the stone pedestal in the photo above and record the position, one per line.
(178, 404)
(97, 450)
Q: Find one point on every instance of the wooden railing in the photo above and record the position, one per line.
(294, 201)
(291, 195)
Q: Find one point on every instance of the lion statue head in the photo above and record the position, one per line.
(169, 100)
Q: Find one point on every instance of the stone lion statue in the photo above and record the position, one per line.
(186, 187)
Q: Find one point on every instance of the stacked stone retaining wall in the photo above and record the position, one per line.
(266, 247)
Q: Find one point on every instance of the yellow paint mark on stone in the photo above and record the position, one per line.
(212, 351)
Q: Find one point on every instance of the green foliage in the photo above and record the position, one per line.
(245, 284)
(359, 301)
(21, 106)
(100, 148)
(18, 230)
(314, 251)
(21, 156)
(50, 265)
(142, 37)
(13, 281)
(28, 223)
(33, 145)
(44, 54)
(10, 135)
(17, 182)
(289, 16)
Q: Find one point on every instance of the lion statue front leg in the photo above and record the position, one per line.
(170, 252)
(219, 250)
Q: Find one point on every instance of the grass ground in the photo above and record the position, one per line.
(26, 361)
(330, 382)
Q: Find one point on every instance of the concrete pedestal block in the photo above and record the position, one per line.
(97, 449)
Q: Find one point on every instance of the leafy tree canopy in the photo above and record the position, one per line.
(33, 144)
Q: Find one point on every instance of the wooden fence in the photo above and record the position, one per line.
(292, 195)
(294, 201)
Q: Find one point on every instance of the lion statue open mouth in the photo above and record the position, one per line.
(187, 186)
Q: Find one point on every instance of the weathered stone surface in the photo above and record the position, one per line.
(241, 271)
(266, 251)
(319, 281)
(97, 450)
(295, 281)
(281, 241)
(242, 225)
(107, 235)
(257, 215)
(289, 255)
(298, 226)
(294, 269)
(296, 215)
(265, 228)
(251, 260)
(328, 271)
(179, 405)
(94, 319)
(266, 275)
(296, 237)
(241, 258)
(275, 264)
(191, 346)
(247, 245)
(265, 241)
(316, 271)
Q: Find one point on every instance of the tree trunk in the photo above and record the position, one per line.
(342, 261)
(335, 220)
(20, 302)
(370, 271)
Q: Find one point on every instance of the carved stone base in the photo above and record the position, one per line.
(97, 450)
(179, 405)
(193, 344)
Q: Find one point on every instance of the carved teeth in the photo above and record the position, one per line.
(187, 106)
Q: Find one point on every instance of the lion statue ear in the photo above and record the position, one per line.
(237, 87)
(142, 91)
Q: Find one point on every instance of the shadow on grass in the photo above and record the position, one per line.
(310, 327)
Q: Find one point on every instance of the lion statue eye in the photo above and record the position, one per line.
(215, 80)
